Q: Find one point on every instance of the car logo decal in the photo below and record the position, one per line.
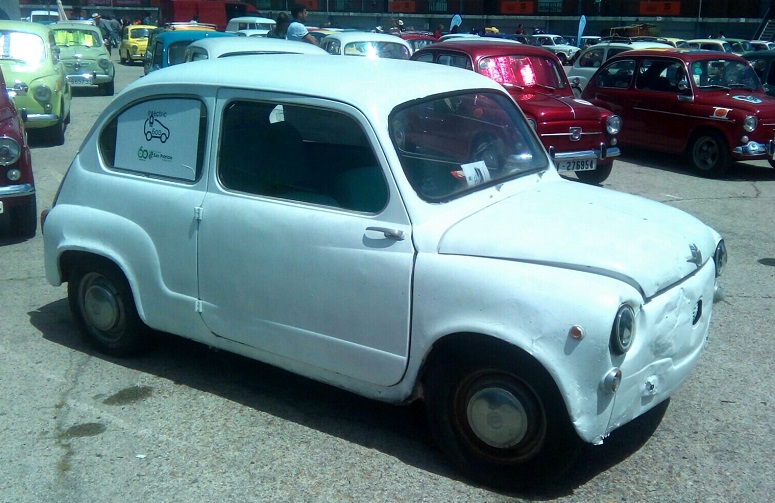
(575, 133)
(749, 99)
(696, 257)
(720, 113)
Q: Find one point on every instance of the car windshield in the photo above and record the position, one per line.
(454, 144)
(721, 73)
(523, 71)
(138, 33)
(559, 41)
(70, 37)
(19, 46)
(387, 50)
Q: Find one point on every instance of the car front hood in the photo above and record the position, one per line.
(547, 107)
(564, 224)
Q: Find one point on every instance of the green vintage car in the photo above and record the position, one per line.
(35, 78)
(82, 51)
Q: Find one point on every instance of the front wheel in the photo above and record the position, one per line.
(598, 175)
(102, 304)
(499, 417)
(108, 88)
(25, 219)
(709, 154)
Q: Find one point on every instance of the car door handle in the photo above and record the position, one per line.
(396, 234)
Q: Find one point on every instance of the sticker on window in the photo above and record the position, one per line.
(475, 173)
(156, 137)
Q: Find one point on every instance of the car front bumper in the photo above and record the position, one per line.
(581, 160)
(88, 79)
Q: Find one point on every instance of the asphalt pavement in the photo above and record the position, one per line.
(186, 424)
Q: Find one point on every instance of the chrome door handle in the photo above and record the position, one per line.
(396, 234)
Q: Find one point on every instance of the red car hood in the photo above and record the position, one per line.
(545, 107)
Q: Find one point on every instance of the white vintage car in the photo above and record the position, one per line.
(401, 234)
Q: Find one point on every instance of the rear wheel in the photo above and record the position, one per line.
(499, 417)
(598, 175)
(102, 304)
(56, 133)
(709, 154)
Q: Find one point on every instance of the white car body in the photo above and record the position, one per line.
(263, 25)
(556, 44)
(590, 59)
(212, 48)
(366, 300)
(366, 43)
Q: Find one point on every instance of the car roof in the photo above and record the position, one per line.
(217, 47)
(684, 54)
(365, 36)
(169, 37)
(769, 53)
(73, 25)
(26, 26)
(631, 45)
(397, 81)
(484, 47)
(252, 19)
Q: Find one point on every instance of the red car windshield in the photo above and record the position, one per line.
(523, 71)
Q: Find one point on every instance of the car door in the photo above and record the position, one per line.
(659, 101)
(305, 249)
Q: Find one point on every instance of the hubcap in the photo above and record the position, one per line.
(497, 417)
(100, 305)
(707, 154)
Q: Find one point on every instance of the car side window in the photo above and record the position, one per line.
(425, 58)
(660, 75)
(456, 61)
(591, 59)
(616, 75)
(161, 138)
(771, 75)
(304, 154)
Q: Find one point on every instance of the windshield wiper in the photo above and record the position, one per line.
(714, 86)
(8, 57)
(544, 86)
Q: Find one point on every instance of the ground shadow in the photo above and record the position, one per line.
(400, 432)
(739, 171)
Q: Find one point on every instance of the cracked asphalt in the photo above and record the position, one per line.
(185, 424)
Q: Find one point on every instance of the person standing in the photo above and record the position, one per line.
(281, 26)
(114, 27)
(104, 30)
(296, 30)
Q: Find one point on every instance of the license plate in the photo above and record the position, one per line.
(79, 81)
(579, 165)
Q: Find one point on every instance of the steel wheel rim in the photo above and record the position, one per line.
(101, 306)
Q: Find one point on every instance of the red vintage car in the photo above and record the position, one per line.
(580, 136)
(708, 105)
(18, 209)
(418, 39)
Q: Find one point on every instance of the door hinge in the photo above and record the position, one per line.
(198, 306)
(198, 213)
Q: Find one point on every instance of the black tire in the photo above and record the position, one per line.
(102, 304)
(108, 88)
(24, 221)
(598, 175)
(462, 387)
(563, 58)
(709, 154)
(56, 133)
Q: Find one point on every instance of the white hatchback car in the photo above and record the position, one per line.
(221, 47)
(350, 230)
(368, 44)
(590, 59)
(556, 44)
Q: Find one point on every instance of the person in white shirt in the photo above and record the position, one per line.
(296, 30)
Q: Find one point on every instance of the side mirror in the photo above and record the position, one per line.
(683, 85)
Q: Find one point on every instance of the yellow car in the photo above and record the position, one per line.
(134, 41)
(35, 76)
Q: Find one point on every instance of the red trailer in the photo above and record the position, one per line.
(217, 12)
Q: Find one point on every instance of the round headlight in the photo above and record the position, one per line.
(720, 257)
(532, 123)
(9, 151)
(623, 331)
(14, 174)
(750, 122)
(42, 93)
(103, 62)
(613, 124)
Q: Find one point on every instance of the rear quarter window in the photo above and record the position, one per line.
(162, 138)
